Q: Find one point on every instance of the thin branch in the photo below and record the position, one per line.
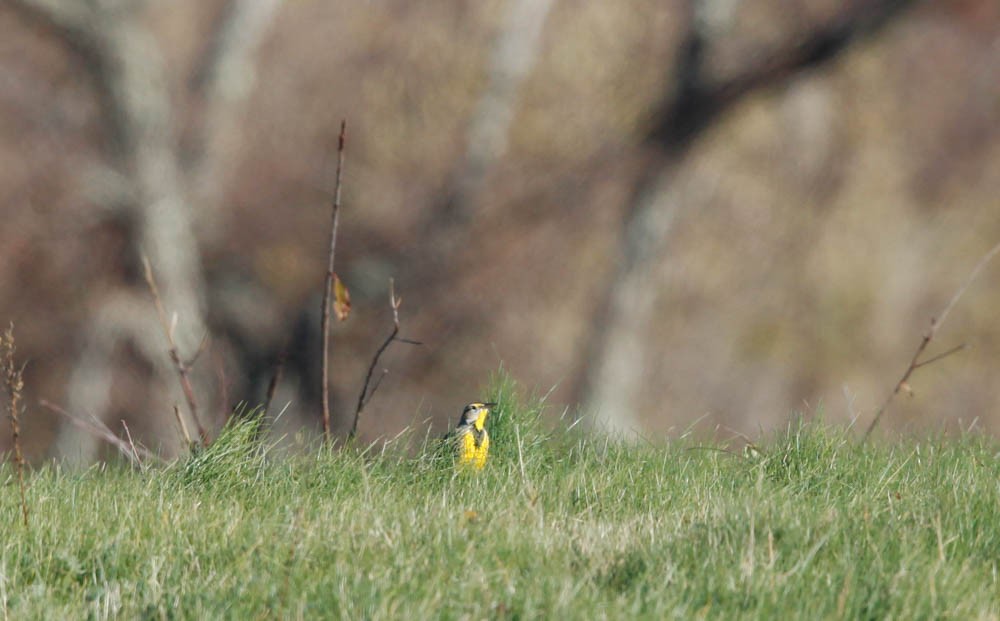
(179, 365)
(932, 359)
(365, 395)
(915, 362)
(328, 289)
(968, 281)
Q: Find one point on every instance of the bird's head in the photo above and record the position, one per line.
(475, 414)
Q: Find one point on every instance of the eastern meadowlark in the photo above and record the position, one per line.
(472, 441)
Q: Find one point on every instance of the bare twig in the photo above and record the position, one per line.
(953, 350)
(183, 368)
(366, 395)
(13, 378)
(915, 362)
(98, 429)
(328, 289)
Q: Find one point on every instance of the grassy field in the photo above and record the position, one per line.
(558, 525)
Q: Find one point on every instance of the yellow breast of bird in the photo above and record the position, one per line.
(473, 447)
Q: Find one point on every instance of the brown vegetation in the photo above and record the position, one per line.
(13, 384)
(669, 209)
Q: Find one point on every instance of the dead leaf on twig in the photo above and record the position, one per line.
(341, 299)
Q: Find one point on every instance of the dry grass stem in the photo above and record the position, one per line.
(183, 426)
(98, 429)
(183, 368)
(131, 444)
(915, 362)
(328, 289)
(13, 378)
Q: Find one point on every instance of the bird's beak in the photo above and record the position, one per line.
(491, 404)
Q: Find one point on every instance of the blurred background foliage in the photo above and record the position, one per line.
(721, 211)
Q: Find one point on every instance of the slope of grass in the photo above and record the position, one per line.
(555, 527)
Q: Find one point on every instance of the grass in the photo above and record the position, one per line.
(557, 526)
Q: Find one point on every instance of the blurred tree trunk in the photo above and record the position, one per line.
(610, 382)
(223, 80)
(617, 350)
(514, 54)
(124, 61)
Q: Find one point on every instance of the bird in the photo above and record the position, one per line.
(471, 440)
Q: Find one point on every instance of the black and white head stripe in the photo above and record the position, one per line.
(471, 411)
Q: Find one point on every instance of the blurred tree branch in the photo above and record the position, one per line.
(224, 79)
(614, 354)
(126, 65)
(72, 19)
(514, 54)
